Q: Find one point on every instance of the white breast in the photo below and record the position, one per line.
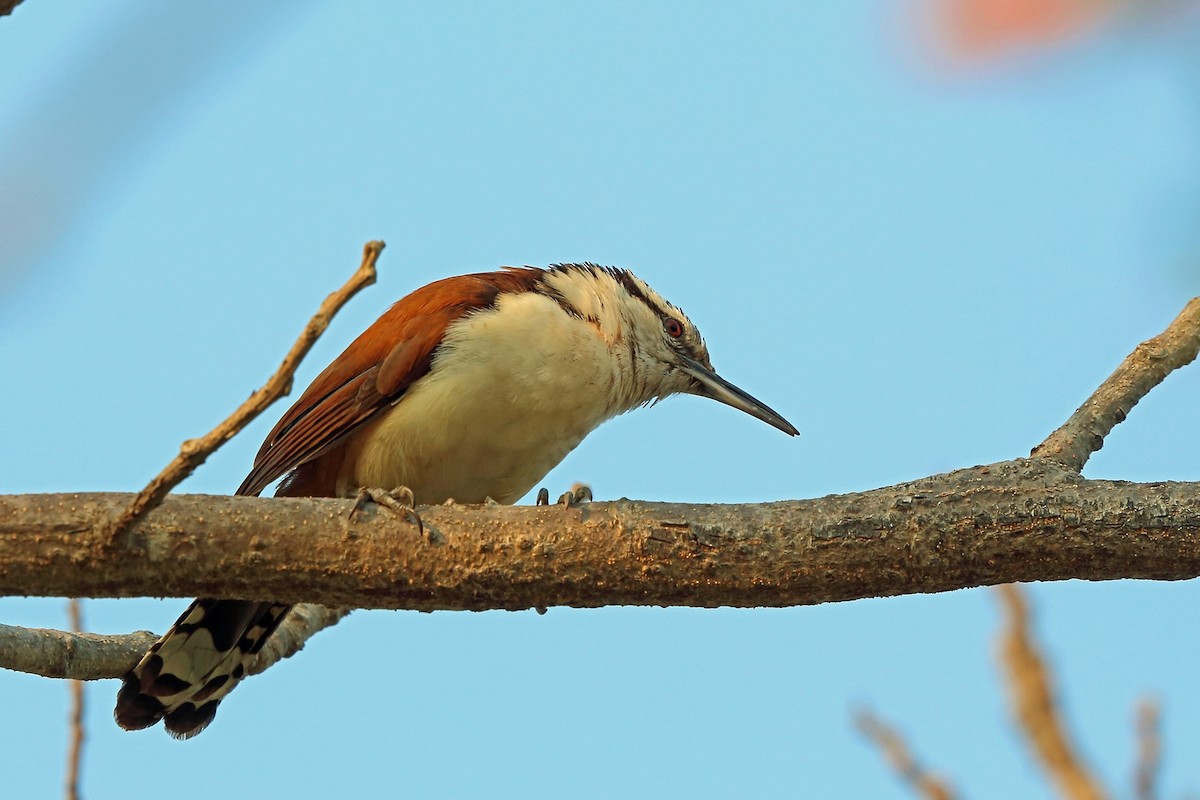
(512, 390)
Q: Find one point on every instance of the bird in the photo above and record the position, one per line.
(469, 389)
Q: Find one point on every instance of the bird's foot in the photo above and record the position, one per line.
(579, 493)
(399, 501)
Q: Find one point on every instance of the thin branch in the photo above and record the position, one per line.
(301, 623)
(78, 656)
(75, 745)
(1035, 707)
(1149, 756)
(891, 744)
(91, 656)
(1146, 367)
(193, 452)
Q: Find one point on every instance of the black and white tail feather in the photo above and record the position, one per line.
(187, 672)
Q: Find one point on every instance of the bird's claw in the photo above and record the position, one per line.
(399, 501)
(579, 493)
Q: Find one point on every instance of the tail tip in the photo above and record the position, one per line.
(189, 719)
(136, 710)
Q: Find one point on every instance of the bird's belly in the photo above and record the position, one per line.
(444, 443)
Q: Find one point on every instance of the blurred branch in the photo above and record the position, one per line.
(75, 744)
(194, 452)
(891, 744)
(1034, 704)
(1146, 367)
(1149, 755)
(90, 656)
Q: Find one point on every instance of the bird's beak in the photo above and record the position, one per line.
(717, 388)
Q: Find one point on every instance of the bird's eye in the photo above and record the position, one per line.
(673, 327)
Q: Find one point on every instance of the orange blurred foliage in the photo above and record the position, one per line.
(982, 29)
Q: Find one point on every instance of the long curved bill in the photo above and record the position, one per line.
(717, 388)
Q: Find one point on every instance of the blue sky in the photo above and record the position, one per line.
(922, 268)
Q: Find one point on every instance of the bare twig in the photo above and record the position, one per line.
(78, 656)
(891, 744)
(1143, 369)
(1149, 754)
(91, 656)
(193, 452)
(1034, 704)
(75, 745)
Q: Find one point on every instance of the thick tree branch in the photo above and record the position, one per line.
(1144, 368)
(1014, 521)
(194, 452)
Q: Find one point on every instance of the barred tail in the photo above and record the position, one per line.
(195, 664)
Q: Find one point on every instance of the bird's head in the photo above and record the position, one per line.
(664, 348)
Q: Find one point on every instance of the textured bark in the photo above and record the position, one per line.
(62, 654)
(1023, 520)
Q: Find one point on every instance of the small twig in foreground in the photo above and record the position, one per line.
(194, 452)
(1149, 756)
(1034, 704)
(75, 744)
(1143, 369)
(892, 745)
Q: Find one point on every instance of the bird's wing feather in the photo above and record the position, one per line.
(376, 369)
